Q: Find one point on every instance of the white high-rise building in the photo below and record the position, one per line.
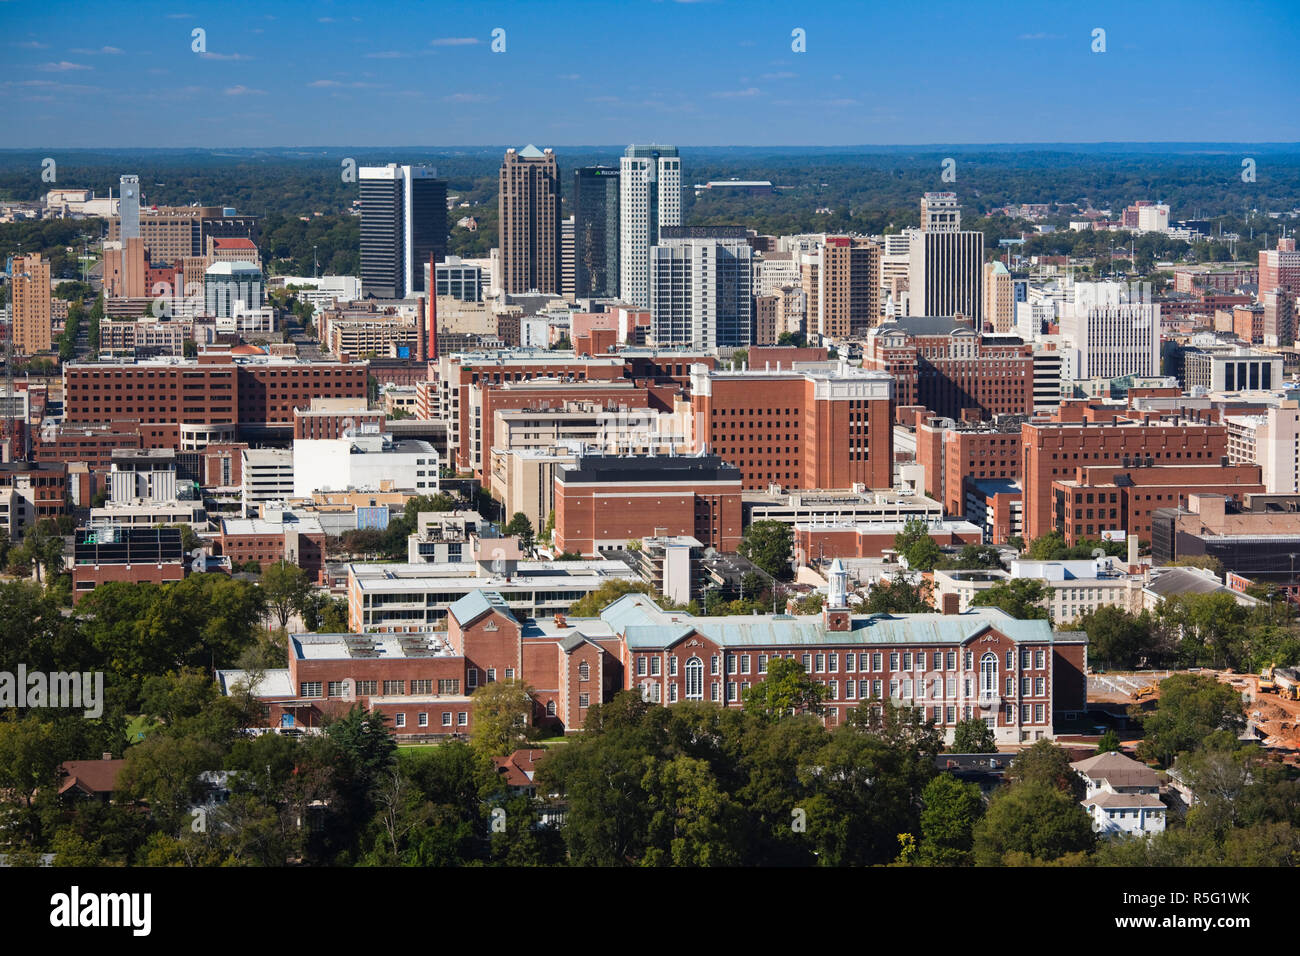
(700, 288)
(1270, 440)
(128, 207)
(650, 197)
(1112, 331)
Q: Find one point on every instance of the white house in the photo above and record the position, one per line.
(1122, 795)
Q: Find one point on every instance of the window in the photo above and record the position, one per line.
(471, 678)
(584, 671)
(1038, 713)
(640, 666)
(713, 667)
(1025, 685)
(336, 688)
(672, 667)
(731, 690)
(762, 663)
(732, 663)
(399, 720)
(970, 660)
(447, 686)
(893, 687)
(510, 673)
(1024, 660)
(422, 720)
(821, 663)
(446, 719)
(877, 660)
(713, 691)
(393, 687)
(850, 689)
(893, 660)
(807, 663)
(850, 660)
(952, 687)
(694, 679)
(907, 687)
(550, 709)
(654, 666)
(462, 718)
(951, 714)
(989, 674)
(1040, 686)
(1011, 713)
(1039, 659)
(584, 700)
(1011, 660)
(311, 688)
(937, 658)
(833, 662)
(672, 693)
(368, 688)
(907, 660)
(491, 675)
(421, 687)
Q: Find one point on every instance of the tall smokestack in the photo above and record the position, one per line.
(421, 339)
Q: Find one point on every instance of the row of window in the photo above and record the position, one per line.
(422, 719)
(865, 662)
(392, 688)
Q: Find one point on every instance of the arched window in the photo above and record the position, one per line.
(584, 671)
(989, 673)
(695, 679)
(550, 708)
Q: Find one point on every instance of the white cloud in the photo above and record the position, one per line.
(243, 91)
(224, 56)
(736, 94)
(469, 98)
(63, 66)
(33, 45)
(455, 41)
(387, 55)
(779, 76)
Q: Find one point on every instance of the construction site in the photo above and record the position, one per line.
(1272, 702)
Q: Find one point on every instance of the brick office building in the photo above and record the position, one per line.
(604, 501)
(1056, 450)
(212, 398)
(99, 555)
(815, 426)
(1018, 676)
(954, 453)
(950, 368)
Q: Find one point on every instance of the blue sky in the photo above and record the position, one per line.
(83, 74)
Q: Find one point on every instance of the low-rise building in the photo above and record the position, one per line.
(1122, 795)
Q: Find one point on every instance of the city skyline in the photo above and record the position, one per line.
(322, 73)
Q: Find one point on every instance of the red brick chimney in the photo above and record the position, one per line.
(433, 310)
(950, 604)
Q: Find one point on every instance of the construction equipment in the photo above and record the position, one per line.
(1287, 682)
(1142, 693)
(1266, 683)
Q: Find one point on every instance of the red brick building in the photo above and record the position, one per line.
(210, 398)
(1056, 451)
(872, 539)
(814, 428)
(1018, 676)
(951, 369)
(152, 555)
(954, 452)
(604, 501)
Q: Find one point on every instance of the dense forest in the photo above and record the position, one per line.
(867, 190)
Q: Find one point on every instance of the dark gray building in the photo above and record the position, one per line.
(403, 223)
(595, 232)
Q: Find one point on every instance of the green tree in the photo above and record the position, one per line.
(915, 545)
(503, 712)
(1048, 764)
(1191, 707)
(1116, 638)
(973, 737)
(1022, 598)
(692, 820)
(590, 605)
(952, 809)
(786, 690)
(1031, 822)
(287, 590)
(1110, 742)
(899, 596)
(769, 545)
(521, 526)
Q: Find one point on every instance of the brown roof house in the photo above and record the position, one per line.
(1122, 795)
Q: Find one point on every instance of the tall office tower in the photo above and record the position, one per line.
(566, 257)
(403, 222)
(30, 289)
(701, 287)
(1279, 317)
(945, 274)
(128, 207)
(1280, 268)
(1110, 334)
(940, 213)
(595, 232)
(999, 298)
(529, 221)
(650, 198)
(849, 300)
